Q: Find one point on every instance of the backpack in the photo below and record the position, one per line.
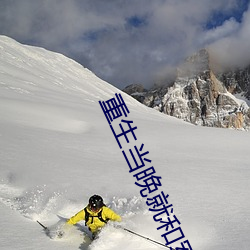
(99, 216)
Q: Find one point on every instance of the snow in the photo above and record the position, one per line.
(242, 99)
(57, 149)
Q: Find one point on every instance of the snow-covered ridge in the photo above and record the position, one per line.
(34, 66)
(36, 75)
(57, 149)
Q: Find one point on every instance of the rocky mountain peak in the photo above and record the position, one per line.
(202, 97)
(196, 64)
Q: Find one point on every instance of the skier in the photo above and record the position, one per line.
(95, 214)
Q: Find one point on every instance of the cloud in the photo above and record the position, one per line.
(228, 28)
(126, 42)
(233, 48)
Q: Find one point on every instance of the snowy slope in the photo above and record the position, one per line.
(57, 149)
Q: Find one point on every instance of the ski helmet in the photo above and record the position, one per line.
(95, 202)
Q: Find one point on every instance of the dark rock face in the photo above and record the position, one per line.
(137, 91)
(200, 97)
(237, 81)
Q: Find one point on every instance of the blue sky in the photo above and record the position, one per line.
(218, 17)
(131, 41)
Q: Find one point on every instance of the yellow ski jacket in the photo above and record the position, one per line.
(94, 223)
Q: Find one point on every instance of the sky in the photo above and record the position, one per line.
(132, 41)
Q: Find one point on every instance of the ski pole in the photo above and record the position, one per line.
(45, 228)
(147, 238)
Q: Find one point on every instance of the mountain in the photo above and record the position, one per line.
(237, 81)
(201, 96)
(57, 149)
